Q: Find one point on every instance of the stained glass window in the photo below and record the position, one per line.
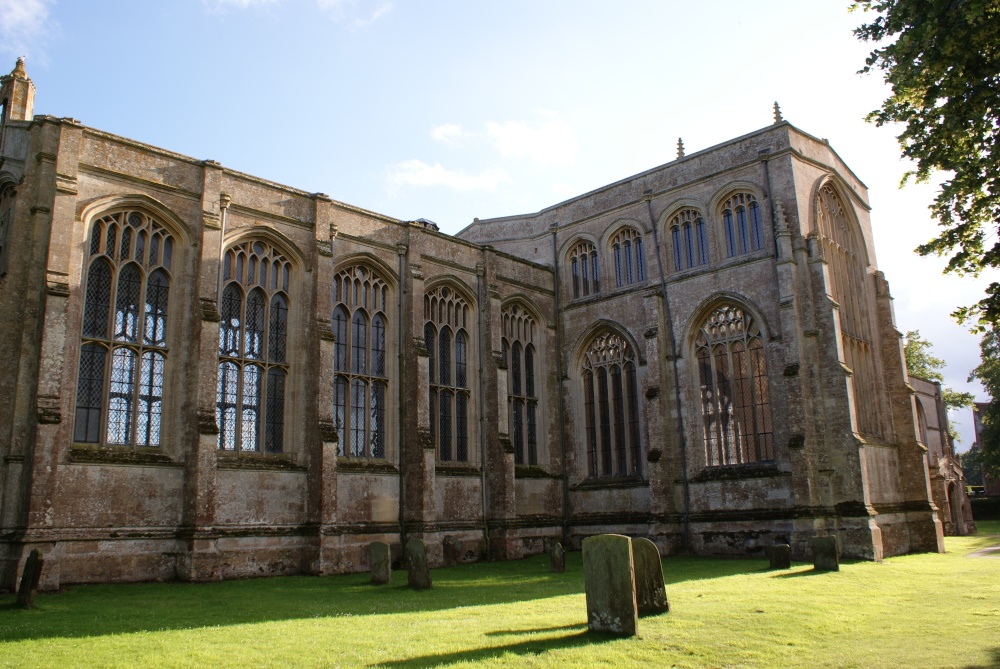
(359, 393)
(519, 337)
(119, 394)
(446, 335)
(611, 408)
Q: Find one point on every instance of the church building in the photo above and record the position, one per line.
(208, 375)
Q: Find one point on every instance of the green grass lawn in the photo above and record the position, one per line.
(907, 612)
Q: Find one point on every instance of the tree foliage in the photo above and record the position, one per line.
(988, 373)
(920, 362)
(942, 60)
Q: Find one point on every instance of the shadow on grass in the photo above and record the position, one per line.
(96, 610)
(533, 647)
(992, 663)
(536, 630)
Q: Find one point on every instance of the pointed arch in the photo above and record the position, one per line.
(94, 209)
(275, 238)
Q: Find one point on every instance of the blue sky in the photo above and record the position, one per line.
(453, 110)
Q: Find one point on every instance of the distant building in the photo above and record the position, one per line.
(946, 476)
(209, 375)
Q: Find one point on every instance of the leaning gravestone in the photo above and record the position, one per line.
(418, 573)
(825, 554)
(650, 593)
(380, 561)
(557, 559)
(29, 579)
(610, 584)
(780, 556)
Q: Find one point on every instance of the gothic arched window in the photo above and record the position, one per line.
(689, 240)
(446, 335)
(585, 270)
(630, 263)
(6, 221)
(253, 365)
(853, 290)
(360, 385)
(119, 396)
(611, 408)
(519, 352)
(735, 404)
(741, 225)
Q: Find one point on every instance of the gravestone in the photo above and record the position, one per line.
(650, 593)
(380, 561)
(779, 555)
(452, 551)
(557, 559)
(29, 579)
(610, 584)
(825, 553)
(418, 573)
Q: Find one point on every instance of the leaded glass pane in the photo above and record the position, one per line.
(529, 371)
(253, 379)
(461, 365)
(588, 411)
(157, 291)
(727, 225)
(278, 329)
(675, 240)
(340, 339)
(225, 406)
(254, 331)
(604, 408)
(444, 358)
(378, 345)
(699, 227)
(359, 392)
(444, 433)
(98, 301)
(430, 344)
(229, 327)
(518, 432)
(120, 407)
(274, 429)
(89, 394)
(359, 343)
(127, 304)
(532, 432)
(150, 400)
(632, 401)
(378, 420)
(340, 410)
(462, 427)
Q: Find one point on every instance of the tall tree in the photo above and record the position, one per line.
(988, 373)
(942, 59)
(920, 362)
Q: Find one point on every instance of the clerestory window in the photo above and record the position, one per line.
(123, 353)
(630, 262)
(253, 361)
(735, 402)
(689, 240)
(446, 335)
(519, 352)
(741, 225)
(6, 222)
(360, 384)
(611, 408)
(584, 268)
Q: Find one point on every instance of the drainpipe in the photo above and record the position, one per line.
(685, 539)
(401, 251)
(482, 400)
(224, 201)
(559, 385)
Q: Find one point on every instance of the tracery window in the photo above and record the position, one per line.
(119, 396)
(742, 225)
(446, 335)
(585, 269)
(630, 263)
(361, 379)
(689, 239)
(611, 408)
(735, 403)
(853, 290)
(253, 361)
(6, 221)
(519, 353)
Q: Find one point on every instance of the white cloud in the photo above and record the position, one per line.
(359, 12)
(550, 143)
(23, 25)
(451, 134)
(418, 173)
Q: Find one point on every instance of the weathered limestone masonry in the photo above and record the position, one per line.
(209, 375)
